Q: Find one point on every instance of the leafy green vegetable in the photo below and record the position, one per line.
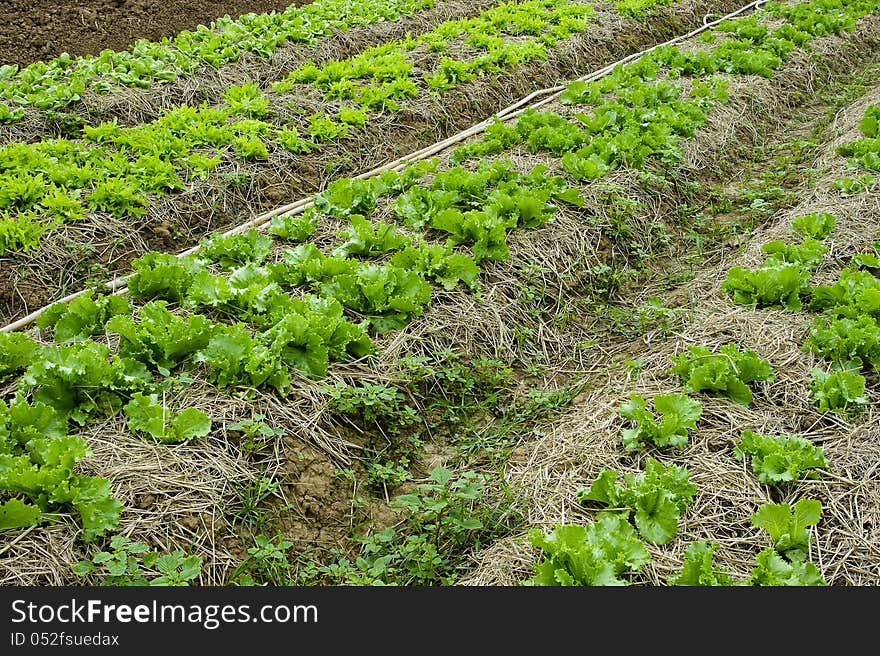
(298, 345)
(248, 292)
(297, 227)
(119, 197)
(845, 340)
(99, 510)
(439, 263)
(369, 238)
(727, 372)
(233, 250)
(83, 379)
(18, 514)
(246, 100)
(808, 253)
(698, 569)
(162, 275)
(347, 196)
(487, 234)
(865, 260)
(780, 458)
(816, 225)
(17, 351)
(773, 284)
(290, 140)
(22, 232)
(639, 9)
(147, 415)
(679, 415)
(870, 123)
(656, 497)
(771, 569)
(160, 338)
(37, 459)
(83, 316)
(234, 357)
(387, 295)
(841, 391)
(596, 554)
(10, 115)
(853, 294)
(850, 186)
(787, 526)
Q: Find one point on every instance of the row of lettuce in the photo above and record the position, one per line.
(845, 334)
(62, 81)
(649, 504)
(251, 312)
(120, 170)
(863, 156)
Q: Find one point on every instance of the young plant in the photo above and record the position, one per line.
(160, 338)
(816, 225)
(383, 405)
(134, 564)
(17, 351)
(348, 196)
(773, 284)
(296, 228)
(850, 186)
(780, 458)
(771, 569)
(266, 563)
(841, 391)
(698, 568)
(83, 380)
(807, 254)
(655, 497)
(444, 517)
(785, 563)
(246, 100)
(369, 238)
(83, 317)
(846, 341)
(787, 526)
(256, 434)
(146, 415)
(679, 414)
(234, 250)
(597, 554)
(727, 372)
(15, 513)
(37, 461)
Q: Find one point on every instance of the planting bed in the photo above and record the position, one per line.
(43, 29)
(629, 336)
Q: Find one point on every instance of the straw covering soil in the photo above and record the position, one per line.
(178, 497)
(547, 474)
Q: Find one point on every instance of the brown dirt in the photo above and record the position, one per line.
(32, 30)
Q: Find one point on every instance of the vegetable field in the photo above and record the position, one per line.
(433, 293)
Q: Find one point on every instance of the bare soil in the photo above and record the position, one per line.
(32, 30)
